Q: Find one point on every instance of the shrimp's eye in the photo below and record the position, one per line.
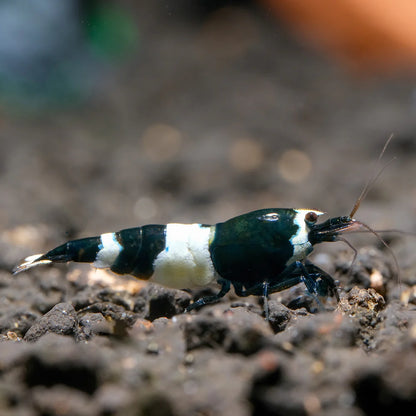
(311, 217)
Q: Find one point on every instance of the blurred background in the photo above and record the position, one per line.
(115, 114)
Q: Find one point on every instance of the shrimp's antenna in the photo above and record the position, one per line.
(353, 249)
(382, 241)
(373, 178)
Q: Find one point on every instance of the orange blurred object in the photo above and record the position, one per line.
(373, 36)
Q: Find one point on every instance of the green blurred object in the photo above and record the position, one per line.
(42, 72)
(111, 32)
